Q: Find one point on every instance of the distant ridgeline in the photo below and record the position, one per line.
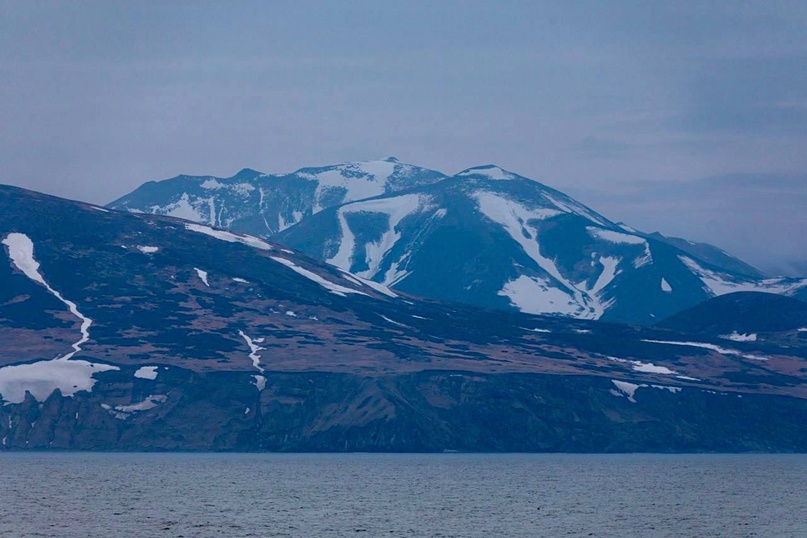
(485, 236)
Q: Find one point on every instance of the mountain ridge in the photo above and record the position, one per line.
(541, 251)
(145, 332)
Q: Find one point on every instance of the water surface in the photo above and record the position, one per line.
(446, 495)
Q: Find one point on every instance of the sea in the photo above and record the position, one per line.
(74, 494)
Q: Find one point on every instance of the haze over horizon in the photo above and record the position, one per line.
(688, 119)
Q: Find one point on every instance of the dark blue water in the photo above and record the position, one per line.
(452, 495)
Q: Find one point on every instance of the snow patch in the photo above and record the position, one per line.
(211, 184)
(147, 249)
(628, 389)
(240, 280)
(712, 347)
(737, 337)
(359, 180)
(380, 288)
(229, 237)
(488, 172)
(535, 295)
(146, 372)
(122, 412)
(665, 286)
(327, 284)
(202, 275)
(43, 377)
(385, 318)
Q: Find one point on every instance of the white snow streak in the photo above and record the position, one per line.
(489, 172)
(537, 295)
(719, 284)
(711, 347)
(21, 252)
(202, 275)
(43, 377)
(665, 286)
(396, 210)
(254, 348)
(327, 284)
(248, 240)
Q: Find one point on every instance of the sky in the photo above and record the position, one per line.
(685, 117)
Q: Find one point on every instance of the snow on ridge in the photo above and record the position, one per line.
(615, 237)
(202, 275)
(711, 347)
(327, 284)
(229, 237)
(737, 337)
(489, 172)
(147, 372)
(380, 288)
(359, 180)
(211, 183)
(575, 208)
(254, 348)
(718, 284)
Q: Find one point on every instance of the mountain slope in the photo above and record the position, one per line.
(741, 313)
(262, 205)
(492, 238)
(142, 332)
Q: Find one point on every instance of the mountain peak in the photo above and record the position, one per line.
(489, 171)
(392, 160)
(248, 173)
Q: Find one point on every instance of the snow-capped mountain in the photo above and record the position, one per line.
(484, 236)
(144, 332)
(261, 204)
(492, 238)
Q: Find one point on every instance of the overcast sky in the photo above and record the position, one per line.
(684, 117)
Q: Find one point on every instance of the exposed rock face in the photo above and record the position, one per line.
(422, 411)
(142, 332)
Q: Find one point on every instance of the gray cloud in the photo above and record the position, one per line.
(99, 97)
